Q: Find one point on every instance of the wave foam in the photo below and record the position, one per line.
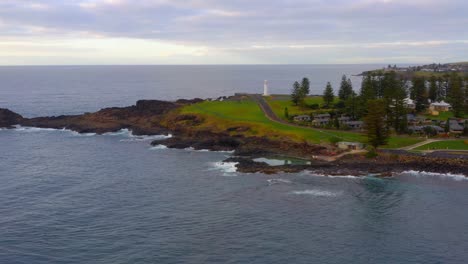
(207, 150)
(228, 168)
(456, 177)
(158, 147)
(313, 192)
(278, 181)
(131, 137)
(309, 173)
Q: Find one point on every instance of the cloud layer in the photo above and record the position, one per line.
(224, 31)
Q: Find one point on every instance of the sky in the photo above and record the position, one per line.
(66, 32)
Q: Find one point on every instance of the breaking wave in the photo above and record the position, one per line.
(278, 181)
(228, 168)
(131, 137)
(207, 150)
(121, 133)
(157, 147)
(456, 177)
(309, 173)
(313, 192)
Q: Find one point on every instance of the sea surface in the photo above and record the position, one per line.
(74, 198)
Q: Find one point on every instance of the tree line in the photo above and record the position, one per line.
(381, 101)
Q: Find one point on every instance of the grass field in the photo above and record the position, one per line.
(443, 116)
(223, 115)
(448, 144)
(279, 102)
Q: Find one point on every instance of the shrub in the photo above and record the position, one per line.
(334, 140)
(371, 152)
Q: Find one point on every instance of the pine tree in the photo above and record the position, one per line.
(457, 95)
(419, 93)
(328, 95)
(368, 92)
(305, 86)
(346, 89)
(433, 89)
(377, 132)
(296, 94)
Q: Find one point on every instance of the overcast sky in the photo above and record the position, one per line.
(232, 31)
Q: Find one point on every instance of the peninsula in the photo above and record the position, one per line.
(248, 125)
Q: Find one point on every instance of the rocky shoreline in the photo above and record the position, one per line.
(154, 117)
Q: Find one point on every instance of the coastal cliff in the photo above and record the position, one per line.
(155, 117)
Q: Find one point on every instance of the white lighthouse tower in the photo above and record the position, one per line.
(265, 88)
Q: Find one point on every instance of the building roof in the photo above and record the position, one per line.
(455, 126)
(321, 115)
(441, 103)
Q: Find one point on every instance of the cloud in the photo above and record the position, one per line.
(256, 28)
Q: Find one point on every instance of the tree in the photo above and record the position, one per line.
(328, 95)
(305, 86)
(457, 95)
(433, 89)
(419, 94)
(286, 112)
(297, 96)
(368, 92)
(346, 88)
(377, 132)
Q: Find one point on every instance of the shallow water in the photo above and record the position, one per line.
(71, 198)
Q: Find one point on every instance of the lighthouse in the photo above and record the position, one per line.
(265, 88)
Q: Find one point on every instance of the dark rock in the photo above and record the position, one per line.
(189, 101)
(9, 118)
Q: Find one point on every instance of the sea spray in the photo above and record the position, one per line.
(456, 177)
(316, 192)
(229, 169)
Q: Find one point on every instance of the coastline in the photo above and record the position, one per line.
(154, 117)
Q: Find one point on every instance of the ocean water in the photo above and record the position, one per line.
(71, 198)
(56, 90)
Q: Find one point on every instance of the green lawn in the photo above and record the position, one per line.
(448, 144)
(401, 141)
(222, 115)
(443, 116)
(237, 113)
(279, 102)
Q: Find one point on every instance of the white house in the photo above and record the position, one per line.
(408, 103)
(440, 106)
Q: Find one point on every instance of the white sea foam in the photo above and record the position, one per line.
(83, 134)
(131, 137)
(331, 176)
(34, 129)
(229, 169)
(278, 181)
(456, 177)
(207, 150)
(157, 147)
(315, 192)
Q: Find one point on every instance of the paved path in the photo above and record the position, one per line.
(425, 142)
(273, 117)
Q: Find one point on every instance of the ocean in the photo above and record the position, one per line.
(86, 198)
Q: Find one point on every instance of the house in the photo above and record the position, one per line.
(439, 107)
(439, 129)
(344, 119)
(415, 129)
(321, 119)
(409, 104)
(455, 127)
(350, 145)
(302, 118)
(355, 124)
